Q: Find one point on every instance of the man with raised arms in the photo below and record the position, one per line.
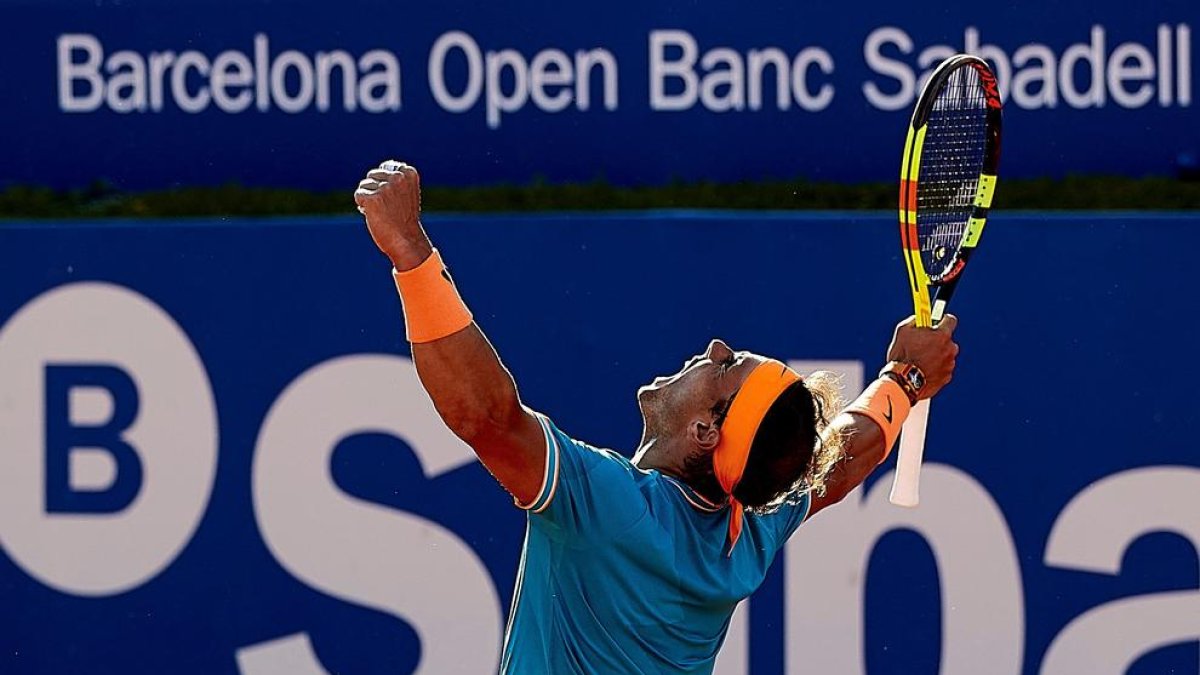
(635, 566)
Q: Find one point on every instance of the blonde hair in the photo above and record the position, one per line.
(826, 389)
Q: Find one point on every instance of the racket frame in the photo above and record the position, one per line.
(929, 307)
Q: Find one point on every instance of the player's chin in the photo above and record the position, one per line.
(649, 398)
(657, 386)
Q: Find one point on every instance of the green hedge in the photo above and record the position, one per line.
(100, 200)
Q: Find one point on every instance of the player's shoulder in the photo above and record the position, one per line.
(782, 522)
(612, 456)
(587, 453)
(613, 462)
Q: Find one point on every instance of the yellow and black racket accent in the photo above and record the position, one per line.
(947, 179)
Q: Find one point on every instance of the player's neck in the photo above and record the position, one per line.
(669, 457)
(657, 452)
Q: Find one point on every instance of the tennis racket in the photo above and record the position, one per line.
(946, 183)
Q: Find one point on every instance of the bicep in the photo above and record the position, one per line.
(476, 397)
(515, 454)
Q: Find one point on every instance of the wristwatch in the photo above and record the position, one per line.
(908, 376)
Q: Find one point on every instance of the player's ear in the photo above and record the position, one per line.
(703, 433)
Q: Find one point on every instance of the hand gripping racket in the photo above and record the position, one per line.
(946, 183)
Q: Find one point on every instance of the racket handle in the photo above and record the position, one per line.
(906, 485)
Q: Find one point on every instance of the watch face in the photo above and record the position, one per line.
(916, 379)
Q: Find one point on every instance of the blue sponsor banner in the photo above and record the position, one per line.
(152, 94)
(216, 457)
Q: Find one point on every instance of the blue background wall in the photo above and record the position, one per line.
(850, 138)
(1078, 337)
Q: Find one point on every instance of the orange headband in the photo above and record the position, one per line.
(758, 393)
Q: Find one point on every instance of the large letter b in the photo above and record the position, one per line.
(90, 467)
(108, 439)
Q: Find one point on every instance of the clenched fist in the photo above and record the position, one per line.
(390, 198)
(933, 350)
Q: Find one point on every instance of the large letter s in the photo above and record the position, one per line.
(402, 564)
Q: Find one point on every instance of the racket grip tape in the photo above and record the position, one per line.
(906, 485)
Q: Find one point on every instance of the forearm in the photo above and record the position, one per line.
(863, 451)
(870, 425)
(471, 389)
(865, 431)
(474, 393)
(462, 373)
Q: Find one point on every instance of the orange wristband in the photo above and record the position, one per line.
(887, 405)
(433, 308)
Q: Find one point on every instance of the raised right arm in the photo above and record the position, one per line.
(473, 392)
(931, 349)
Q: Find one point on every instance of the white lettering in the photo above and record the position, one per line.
(681, 69)
(732, 81)
(437, 69)
(171, 435)
(1183, 60)
(179, 76)
(262, 72)
(507, 81)
(1092, 55)
(1084, 75)
(1044, 74)
(160, 63)
(585, 62)
(1164, 65)
(326, 62)
(826, 567)
(85, 72)
(405, 565)
(725, 70)
(497, 100)
(127, 72)
(812, 56)
(231, 81)
(1091, 535)
(232, 70)
(896, 70)
(1121, 71)
(379, 88)
(757, 61)
(303, 97)
(550, 68)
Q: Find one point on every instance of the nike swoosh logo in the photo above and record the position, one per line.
(888, 415)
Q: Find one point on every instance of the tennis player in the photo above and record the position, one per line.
(635, 566)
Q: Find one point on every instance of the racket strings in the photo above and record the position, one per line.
(951, 162)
